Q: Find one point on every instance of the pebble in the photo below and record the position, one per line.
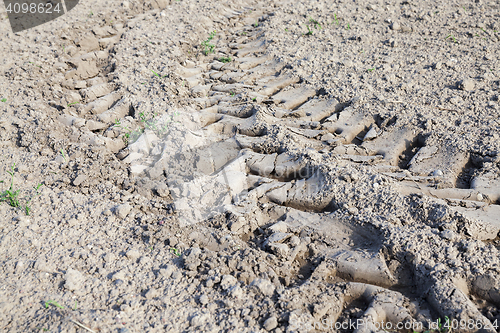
(466, 85)
(263, 286)
(395, 26)
(162, 190)
(74, 279)
(79, 180)
(204, 299)
(122, 210)
(279, 227)
(228, 281)
(437, 173)
(271, 323)
(448, 234)
(133, 254)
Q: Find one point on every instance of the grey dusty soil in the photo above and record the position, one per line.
(243, 166)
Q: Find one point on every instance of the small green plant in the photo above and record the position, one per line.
(225, 59)
(11, 195)
(175, 251)
(254, 99)
(348, 26)
(309, 30)
(76, 305)
(336, 19)
(63, 155)
(371, 69)
(3, 100)
(53, 303)
(159, 76)
(453, 38)
(256, 24)
(315, 23)
(70, 104)
(232, 94)
(207, 47)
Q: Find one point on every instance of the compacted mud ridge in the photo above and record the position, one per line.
(249, 166)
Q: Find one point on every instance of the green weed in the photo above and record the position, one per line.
(232, 94)
(76, 305)
(63, 155)
(348, 26)
(225, 59)
(315, 23)
(207, 47)
(159, 76)
(3, 100)
(371, 69)
(256, 24)
(175, 251)
(336, 19)
(309, 30)
(53, 303)
(72, 104)
(11, 195)
(453, 38)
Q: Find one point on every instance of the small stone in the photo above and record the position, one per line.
(328, 136)
(438, 65)
(74, 279)
(480, 197)
(122, 210)
(348, 63)
(200, 319)
(79, 180)
(395, 26)
(204, 299)
(162, 190)
(447, 234)
(236, 291)
(228, 281)
(466, 85)
(271, 323)
(125, 5)
(263, 286)
(279, 227)
(437, 173)
(152, 293)
(279, 249)
(133, 254)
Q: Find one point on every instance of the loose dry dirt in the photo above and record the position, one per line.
(249, 166)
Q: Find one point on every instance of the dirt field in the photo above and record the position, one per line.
(245, 166)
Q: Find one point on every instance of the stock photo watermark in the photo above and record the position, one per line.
(27, 14)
